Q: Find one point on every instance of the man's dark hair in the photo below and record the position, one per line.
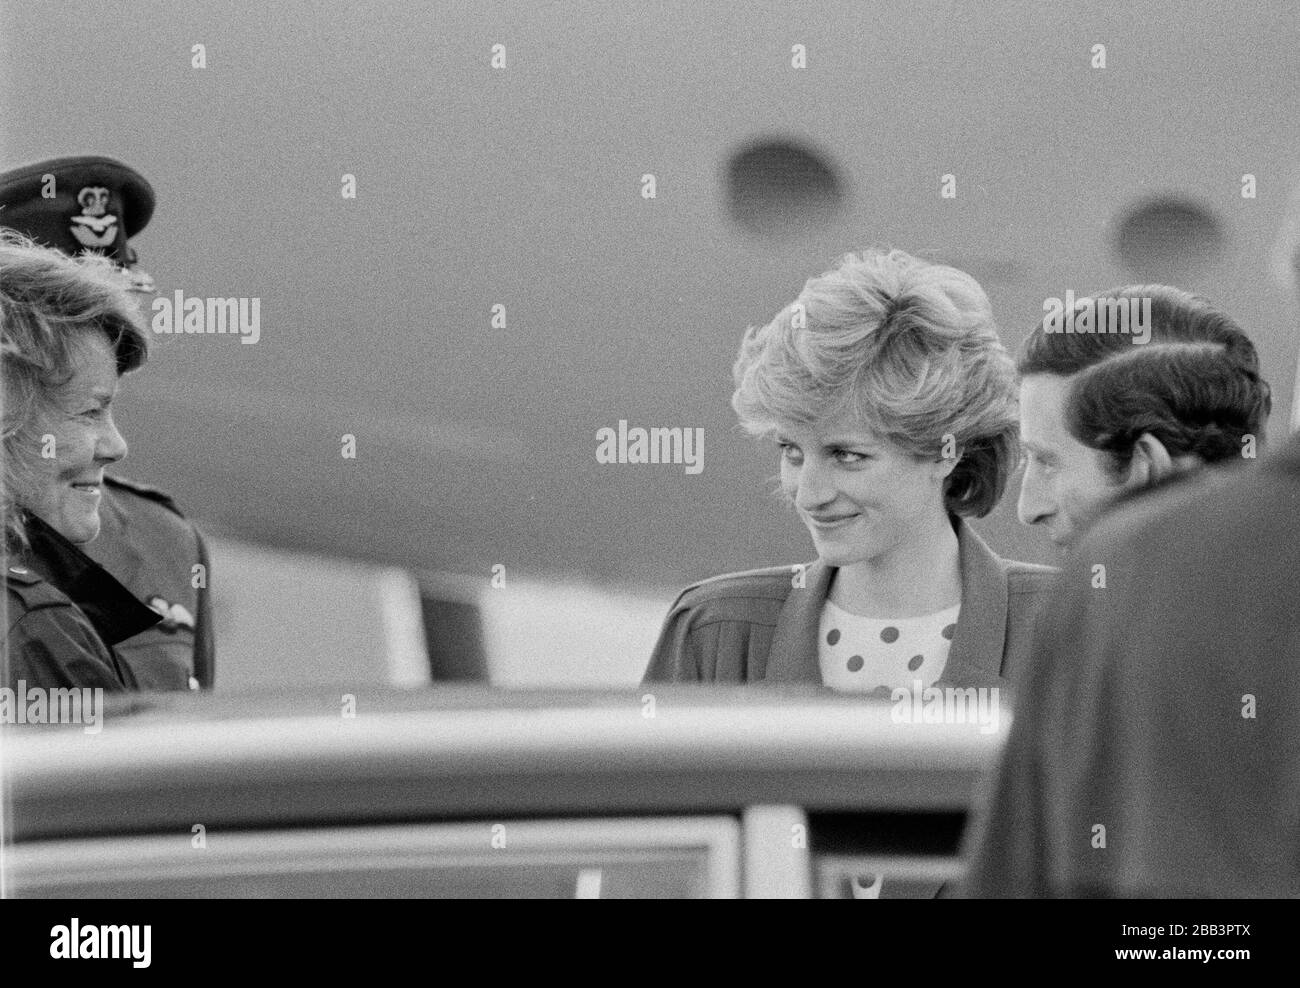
(1195, 385)
(1176, 317)
(1186, 395)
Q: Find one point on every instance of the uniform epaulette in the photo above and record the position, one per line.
(145, 491)
(22, 575)
(32, 590)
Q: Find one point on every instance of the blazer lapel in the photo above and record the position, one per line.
(975, 656)
(793, 656)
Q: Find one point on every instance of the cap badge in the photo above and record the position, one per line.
(95, 226)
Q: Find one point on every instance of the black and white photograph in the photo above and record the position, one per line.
(564, 449)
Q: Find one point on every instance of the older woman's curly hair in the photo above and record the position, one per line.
(47, 300)
(910, 348)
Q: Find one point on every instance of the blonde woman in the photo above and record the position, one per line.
(892, 403)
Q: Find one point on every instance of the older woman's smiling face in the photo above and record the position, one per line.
(78, 439)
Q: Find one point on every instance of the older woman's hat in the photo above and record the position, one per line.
(81, 205)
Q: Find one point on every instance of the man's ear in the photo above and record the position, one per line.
(1152, 464)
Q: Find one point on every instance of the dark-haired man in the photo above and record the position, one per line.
(1123, 390)
(1155, 729)
(1154, 749)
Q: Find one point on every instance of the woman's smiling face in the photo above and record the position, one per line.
(78, 433)
(861, 496)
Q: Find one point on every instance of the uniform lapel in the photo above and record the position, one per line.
(113, 610)
(793, 656)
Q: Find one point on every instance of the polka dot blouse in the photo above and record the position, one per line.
(861, 655)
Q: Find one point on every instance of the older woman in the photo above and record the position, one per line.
(893, 404)
(70, 330)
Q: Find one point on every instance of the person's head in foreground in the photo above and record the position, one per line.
(1106, 411)
(892, 401)
(70, 331)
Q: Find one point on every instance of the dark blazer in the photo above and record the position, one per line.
(1162, 707)
(762, 625)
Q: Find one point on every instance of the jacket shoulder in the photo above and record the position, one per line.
(145, 515)
(720, 629)
(52, 643)
(1031, 577)
(749, 595)
(29, 591)
(134, 489)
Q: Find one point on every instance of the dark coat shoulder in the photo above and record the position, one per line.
(721, 629)
(51, 642)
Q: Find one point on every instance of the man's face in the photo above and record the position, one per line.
(1066, 484)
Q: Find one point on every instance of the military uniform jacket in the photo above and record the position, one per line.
(65, 615)
(152, 549)
(762, 626)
